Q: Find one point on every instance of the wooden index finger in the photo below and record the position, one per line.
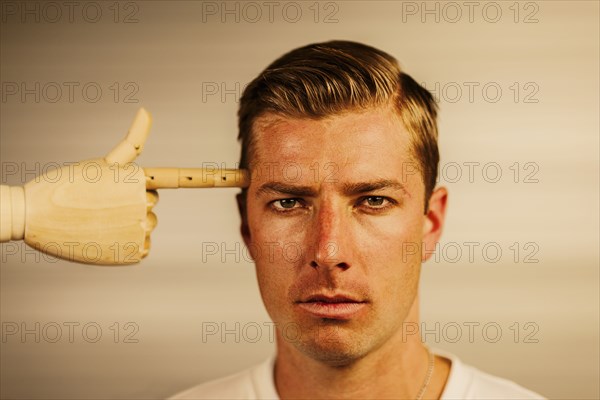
(172, 178)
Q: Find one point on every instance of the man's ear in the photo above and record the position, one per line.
(434, 221)
(244, 230)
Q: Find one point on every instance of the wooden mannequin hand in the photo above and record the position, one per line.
(99, 211)
(95, 211)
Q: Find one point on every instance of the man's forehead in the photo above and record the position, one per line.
(357, 135)
(343, 149)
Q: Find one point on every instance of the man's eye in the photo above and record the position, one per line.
(377, 202)
(285, 204)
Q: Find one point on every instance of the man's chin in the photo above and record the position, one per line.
(334, 357)
(333, 344)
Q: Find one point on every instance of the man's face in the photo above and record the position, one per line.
(335, 225)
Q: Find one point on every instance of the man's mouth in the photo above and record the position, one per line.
(332, 306)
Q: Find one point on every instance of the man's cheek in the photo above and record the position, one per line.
(273, 284)
(269, 252)
(280, 249)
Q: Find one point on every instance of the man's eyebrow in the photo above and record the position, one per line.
(284, 188)
(348, 189)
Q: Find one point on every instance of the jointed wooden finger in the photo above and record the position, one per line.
(151, 222)
(151, 199)
(146, 249)
(133, 144)
(165, 178)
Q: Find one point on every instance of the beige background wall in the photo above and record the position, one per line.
(178, 59)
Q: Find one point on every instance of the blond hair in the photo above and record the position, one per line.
(325, 79)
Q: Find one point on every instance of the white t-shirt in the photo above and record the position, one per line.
(464, 382)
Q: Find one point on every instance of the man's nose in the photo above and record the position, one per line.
(332, 237)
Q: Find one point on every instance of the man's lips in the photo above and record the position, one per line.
(332, 307)
(337, 298)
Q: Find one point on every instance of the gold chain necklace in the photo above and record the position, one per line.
(428, 375)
